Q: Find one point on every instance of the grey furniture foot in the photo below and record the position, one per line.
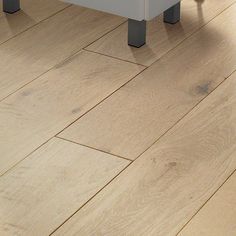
(172, 15)
(136, 33)
(11, 6)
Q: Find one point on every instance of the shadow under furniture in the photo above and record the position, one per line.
(138, 13)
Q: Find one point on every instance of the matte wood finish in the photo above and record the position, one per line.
(46, 106)
(39, 49)
(45, 189)
(32, 12)
(11, 6)
(143, 110)
(186, 100)
(161, 38)
(166, 186)
(218, 216)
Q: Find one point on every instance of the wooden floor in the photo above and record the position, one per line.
(97, 138)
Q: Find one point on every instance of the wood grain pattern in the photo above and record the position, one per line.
(161, 37)
(139, 113)
(43, 108)
(218, 216)
(34, 52)
(50, 185)
(164, 188)
(32, 12)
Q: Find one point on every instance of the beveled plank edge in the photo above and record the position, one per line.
(36, 23)
(191, 111)
(146, 149)
(146, 67)
(125, 20)
(222, 78)
(123, 85)
(96, 149)
(65, 59)
(126, 162)
(166, 133)
(117, 58)
(57, 134)
(37, 77)
(168, 51)
(183, 117)
(56, 137)
(101, 189)
(61, 62)
(198, 29)
(83, 49)
(209, 199)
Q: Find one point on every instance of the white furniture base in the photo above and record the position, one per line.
(137, 11)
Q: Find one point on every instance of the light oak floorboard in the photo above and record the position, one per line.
(161, 37)
(32, 12)
(37, 50)
(44, 107)
(160, 191)
(217, 217)
(50, 185)
(132, 119)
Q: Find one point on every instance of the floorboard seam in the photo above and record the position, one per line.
(90, 199)
(186, 114)
(117, 58)
(101, 101)
(57, 134)
(65, 59)
(185, 225)
(12, 167)
(106, 33)
(166, 132)
(190, 35)
(93, 148)
(194, 32)
(32, 26)
(110, 182)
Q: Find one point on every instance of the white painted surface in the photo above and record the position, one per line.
(154, 8)
(134, 9)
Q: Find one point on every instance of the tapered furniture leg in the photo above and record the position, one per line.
(11, 6)
(136, 33)
(172, 15)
